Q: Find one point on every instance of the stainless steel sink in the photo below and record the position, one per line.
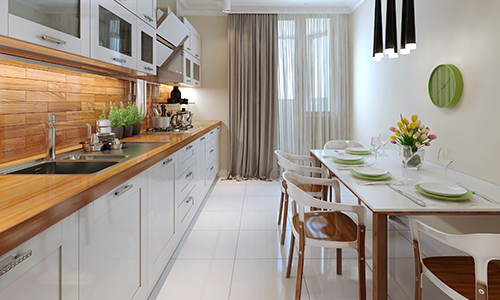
(80, 162)
(66, 167)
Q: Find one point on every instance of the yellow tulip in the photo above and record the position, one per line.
(400, 124)
(403, 130)
(413, 125)
(393, 138)
(409, 134)
(414, 118)
(405, 121)
(397, 133)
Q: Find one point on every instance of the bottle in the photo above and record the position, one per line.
(176, 93)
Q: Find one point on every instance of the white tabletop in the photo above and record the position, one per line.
(381, 199)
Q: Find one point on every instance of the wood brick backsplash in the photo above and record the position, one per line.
(29, 92)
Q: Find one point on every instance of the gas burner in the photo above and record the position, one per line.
(151, 129)
(174, 129)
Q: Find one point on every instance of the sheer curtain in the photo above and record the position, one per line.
(313, 81)
(252, 96)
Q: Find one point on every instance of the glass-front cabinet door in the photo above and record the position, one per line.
(60, 24)
(146, 48)
(113, 34)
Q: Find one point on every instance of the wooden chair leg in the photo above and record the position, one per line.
(361, 263)
(339, 261)
(281, 208)
(300, 265)
(285, 216)
(290, 256)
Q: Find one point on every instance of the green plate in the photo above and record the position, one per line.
(348, 162)
(374, 178)
(358, 152)
(463, 197)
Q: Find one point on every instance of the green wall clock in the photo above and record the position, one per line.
(445, 85)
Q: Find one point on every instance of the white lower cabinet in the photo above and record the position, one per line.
(111, 245)
(199, 150)
(160, 217)
(45, 267)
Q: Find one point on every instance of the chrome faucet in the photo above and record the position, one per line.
(51, 134)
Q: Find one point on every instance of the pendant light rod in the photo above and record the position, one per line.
(404, 28)
(411, 36)
(391, 43)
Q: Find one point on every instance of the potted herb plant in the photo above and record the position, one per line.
(138, 116)
(116, 121)
(128, 119)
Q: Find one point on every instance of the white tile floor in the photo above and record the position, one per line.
(232, 251)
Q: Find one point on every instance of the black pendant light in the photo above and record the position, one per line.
(391, 36)
(404, 28)
(411, 36)
(378, 45)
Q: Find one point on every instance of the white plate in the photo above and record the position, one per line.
(357, 149)
(348, 157)
(370, 171)
(443, 188)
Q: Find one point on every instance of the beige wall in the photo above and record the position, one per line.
(212, 99)
(459, 32)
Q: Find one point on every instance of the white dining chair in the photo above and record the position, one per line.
(341, 144)
(329, 227)
(472, 276)
(288, 162)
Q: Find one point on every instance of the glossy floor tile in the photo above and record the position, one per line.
(232, 251)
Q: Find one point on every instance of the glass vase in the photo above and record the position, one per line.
(417, 161)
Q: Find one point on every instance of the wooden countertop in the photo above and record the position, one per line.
(29, 204)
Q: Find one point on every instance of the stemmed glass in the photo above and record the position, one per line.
(406, 153)
(445, 158)
(376, 145)
(384, 139)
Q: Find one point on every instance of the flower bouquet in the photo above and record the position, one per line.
(413, 134)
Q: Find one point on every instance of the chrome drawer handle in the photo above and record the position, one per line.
(188, 80)
(120, 60)
(148, 68)
(167, 161)
(17, 260)
(148, 18)
(189, 49)
(189, 174)
(197, 55)
(123, 190)
(211, 132)
(211, 168)
(202, 139)
(189, 199)
(211, 150)
(189, 147)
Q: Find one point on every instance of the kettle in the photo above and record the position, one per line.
(182, 118)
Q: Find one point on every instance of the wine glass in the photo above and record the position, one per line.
(445, 158)
(375, 145)
(406, 153)
(384, 139)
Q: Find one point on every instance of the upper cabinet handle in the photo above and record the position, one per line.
(120, 60)
(16, 261)
(53, 40)
(148, 18)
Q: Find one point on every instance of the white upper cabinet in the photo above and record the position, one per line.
(193, 43)
(59, 24)
(146, 48)
(113, 34)
(129, 4)
(172, 30)
(146, 11)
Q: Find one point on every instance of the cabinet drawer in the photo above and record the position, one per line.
(185, 182)
(108, 202)
(210, 155)
(186, 159)
(162, 166)
(20, 265)
(186, 205)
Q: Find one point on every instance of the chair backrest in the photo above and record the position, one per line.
(303, 199)
(341, 144)
(285, 160)
(483, 247)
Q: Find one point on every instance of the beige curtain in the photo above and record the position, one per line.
(313, 81)
(252, 96)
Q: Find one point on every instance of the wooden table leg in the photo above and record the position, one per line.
(380, 256)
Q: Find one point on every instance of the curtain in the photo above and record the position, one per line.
(252, 96)
(313, 81)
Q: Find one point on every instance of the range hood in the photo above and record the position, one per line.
(171, 34)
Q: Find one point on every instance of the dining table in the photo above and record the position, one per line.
(383, 201)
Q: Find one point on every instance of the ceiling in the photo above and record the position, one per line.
(214, 7)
